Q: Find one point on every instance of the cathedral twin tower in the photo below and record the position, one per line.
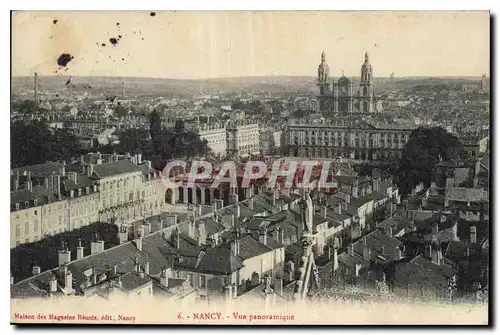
(339, 96)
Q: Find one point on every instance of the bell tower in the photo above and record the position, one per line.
(366, 90)
(323, 81)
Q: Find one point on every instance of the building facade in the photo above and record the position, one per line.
(347, 137)
(216, 137)
(48, 199)
(341, 96)
(242, 138)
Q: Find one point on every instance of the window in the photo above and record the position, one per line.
(35, 226)
(190, 278)
(203, 281)
(26, 228)
(35, 212)
(18, 230)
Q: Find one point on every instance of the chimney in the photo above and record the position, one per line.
(64, 256)
(73, 176)
(235, 247)
(123, 234)
(35, 270)
(366, 251)
(350, 249)
(437, 256)
(16, 181)
(348, 198)
(137, 266)
(263, 237)
(233, 198)
(237, 209)
(146, 226)
(90, 170)
(229, 292)
(467, 250)
(325, 211)
(171, 220)
(250, 203)
(115, 270)
(138, 242)
(178, 240)
(68, 281)
(398, 253)
(473, 234)
(233, 220)
(79, 250)
(53, 283)
(139, 158)
(335, 259)
(192, 228)
(278, 286)
(435, 231)
(96, 247)
(375, 184)
(382, 250)
(163, 277)
(388, 231)
(146, 265)
(454, 234)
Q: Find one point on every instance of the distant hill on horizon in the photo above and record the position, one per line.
(168, 86)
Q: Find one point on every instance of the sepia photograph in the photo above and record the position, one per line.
(250, 167)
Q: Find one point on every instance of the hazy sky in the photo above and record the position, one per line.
(227, 44)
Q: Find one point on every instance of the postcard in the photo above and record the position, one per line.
(250, 167)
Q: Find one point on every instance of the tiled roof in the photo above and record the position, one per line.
(132, 281)
(466, 194)
(21, 196)
(219, 260)
(115, 168)
(40, 170)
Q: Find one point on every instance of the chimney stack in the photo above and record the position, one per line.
(68, 281)
(64, 256)
(123, 234)
(163, 277)
(263, 236)
(90, 170)
(325, 211)
(473, 234)
(146, 265)
(96, 247)
(237, 209)
(79, 250)
(36, 270)
(350, 249)
(138, 241)
(53, 283)
(437, 256)
(335, 260)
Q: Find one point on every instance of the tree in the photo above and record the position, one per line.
(155, 129)
(34, 143)
(120, 111)
(25, 106)
(424, 150)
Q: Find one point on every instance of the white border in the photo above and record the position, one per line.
(492, 5)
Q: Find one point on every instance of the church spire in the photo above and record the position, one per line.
(366, 58)
(323, 57)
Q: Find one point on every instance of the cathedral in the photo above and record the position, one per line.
(340, 97)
